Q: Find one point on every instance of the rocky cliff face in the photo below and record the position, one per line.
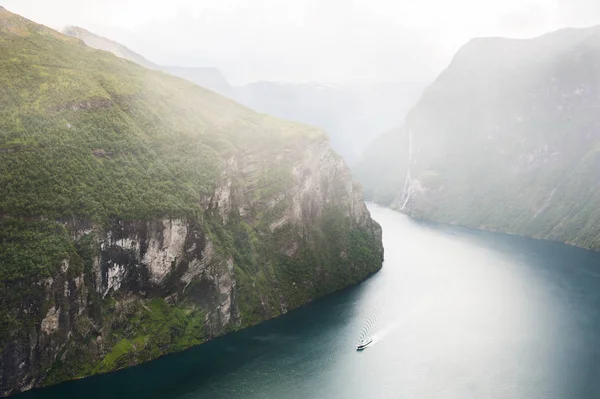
(138, 289)
(143, 215)
(507, 139)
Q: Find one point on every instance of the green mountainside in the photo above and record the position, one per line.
(141, 214)
(87, 134)
(507, 138)
(210, 78)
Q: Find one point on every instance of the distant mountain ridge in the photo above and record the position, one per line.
(211, 78)
(351, 116)
(507, 138)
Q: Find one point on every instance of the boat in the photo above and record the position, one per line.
(363, 344)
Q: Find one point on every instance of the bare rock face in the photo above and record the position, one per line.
(223, 271)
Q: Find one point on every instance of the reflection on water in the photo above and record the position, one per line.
(454, 313)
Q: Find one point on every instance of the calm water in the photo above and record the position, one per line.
(454, 313)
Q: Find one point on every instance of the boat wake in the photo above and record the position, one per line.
(384, 332)
(421, 308)
(372, 321)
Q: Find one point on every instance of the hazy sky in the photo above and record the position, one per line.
(309, 40)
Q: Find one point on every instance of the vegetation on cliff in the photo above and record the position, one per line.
(29, 253)
(92, 145)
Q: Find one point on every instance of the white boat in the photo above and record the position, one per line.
(363, 344)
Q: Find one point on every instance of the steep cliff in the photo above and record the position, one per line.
(142, 214)
(507, 138)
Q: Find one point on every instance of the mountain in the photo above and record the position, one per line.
(507, 138)
(352, 116)
(142, 214)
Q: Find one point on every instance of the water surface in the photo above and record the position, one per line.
(454, 313)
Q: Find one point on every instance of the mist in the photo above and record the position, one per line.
(348, 42)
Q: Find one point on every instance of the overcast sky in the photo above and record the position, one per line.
(337, 41)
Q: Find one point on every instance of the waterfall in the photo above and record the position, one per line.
(407, 182)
